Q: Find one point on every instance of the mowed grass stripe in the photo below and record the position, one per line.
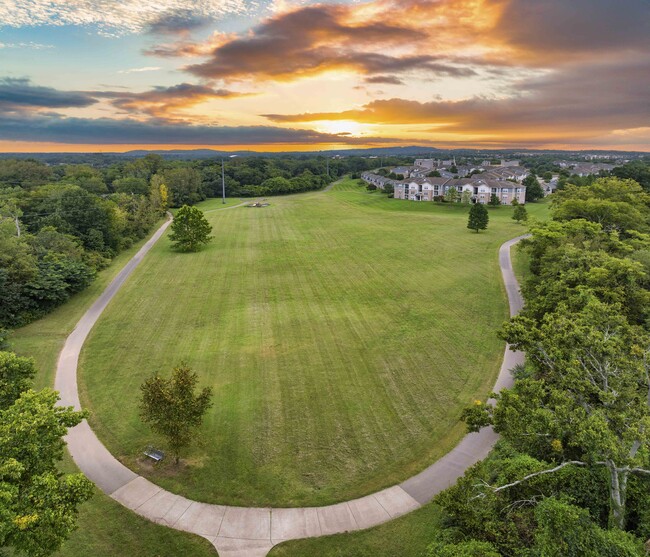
(342, 333)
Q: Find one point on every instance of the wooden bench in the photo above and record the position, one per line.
(154, 454)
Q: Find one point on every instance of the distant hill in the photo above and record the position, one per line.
(106, 158)
(207, 153)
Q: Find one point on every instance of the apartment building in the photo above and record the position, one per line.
(480, 190)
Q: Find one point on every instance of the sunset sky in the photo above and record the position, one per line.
(114, 75)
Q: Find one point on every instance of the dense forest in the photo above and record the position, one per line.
(571, 473)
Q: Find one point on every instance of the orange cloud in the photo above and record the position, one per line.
(166, 102)
(421, 37)
(577, 100)
(186, 48)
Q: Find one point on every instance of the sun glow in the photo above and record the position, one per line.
(342, 127)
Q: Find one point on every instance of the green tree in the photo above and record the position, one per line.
(16, 376)
(451, 195)
(472, 548)
(173, 409)
(86, 177)
(572, 262)
(568, 530)
(38, 508)
(588, 403)
(638, 171)
(478, 217)
(494, 200)
(185, 186)
(533, 190)
(137, 186)
(190, 229)
(520, 214)
(466, 197)
(615, 204)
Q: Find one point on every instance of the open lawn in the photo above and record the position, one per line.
(342, 332)
(409, 535)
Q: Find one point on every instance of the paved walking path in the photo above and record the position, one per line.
(247, 531)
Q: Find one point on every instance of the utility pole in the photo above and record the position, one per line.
(223, 182)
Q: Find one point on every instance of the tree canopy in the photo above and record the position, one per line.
(571, 474)
(190, 229)
(38, 504)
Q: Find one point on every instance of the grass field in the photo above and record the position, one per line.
(342, 332)
(409, 535)
(106, 529)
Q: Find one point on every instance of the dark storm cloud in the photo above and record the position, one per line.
(20, 94)
(164, 101)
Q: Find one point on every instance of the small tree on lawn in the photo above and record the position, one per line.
(466, 197)
(494, 200)
(451, 195)
(478, 217)
(190, 229)
(520, 214)
(172, 408)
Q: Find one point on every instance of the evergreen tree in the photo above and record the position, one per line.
(478, 217)
(533, 190)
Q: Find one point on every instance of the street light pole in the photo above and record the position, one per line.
(223, 182)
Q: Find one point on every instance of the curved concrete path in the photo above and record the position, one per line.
(247, 531)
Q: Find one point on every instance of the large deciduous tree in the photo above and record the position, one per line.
(172, 407)
(38, 504)
(588, 402)
(190, 229)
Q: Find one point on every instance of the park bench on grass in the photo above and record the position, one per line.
(154, 454)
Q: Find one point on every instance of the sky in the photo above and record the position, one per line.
(290, 75)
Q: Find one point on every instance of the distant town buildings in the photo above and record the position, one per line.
(479, 189)
(478, 182)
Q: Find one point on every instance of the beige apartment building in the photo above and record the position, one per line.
(480, 190)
